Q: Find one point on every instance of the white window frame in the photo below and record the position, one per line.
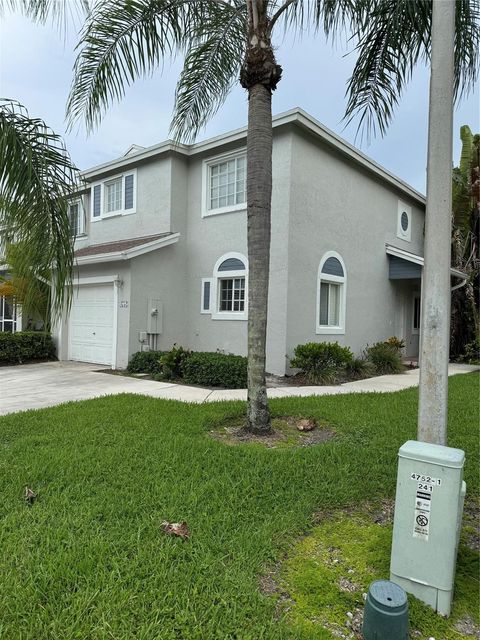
(81, 216)
(404, 235)
(206, 166)
(416, 330)
(330, 279)
(103, 200)
(16, 320)
(215, 288)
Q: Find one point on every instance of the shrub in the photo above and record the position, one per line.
(471, 352)
(26, 346)
(396, 343)
(171, 363)
(359, 368)
(215, 370)
(322, 362)
(385, 358)
(145, 362)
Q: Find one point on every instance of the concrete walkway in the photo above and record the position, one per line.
(35, 386)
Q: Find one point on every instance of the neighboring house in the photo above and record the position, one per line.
(161, 249)
(10, 312)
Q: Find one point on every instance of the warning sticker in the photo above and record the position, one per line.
(421, 523)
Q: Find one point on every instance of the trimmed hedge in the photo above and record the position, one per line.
(26, 346)
(146, 362)
(215, 370)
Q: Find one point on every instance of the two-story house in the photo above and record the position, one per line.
(161, 249)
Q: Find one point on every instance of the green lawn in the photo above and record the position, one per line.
(89, 560)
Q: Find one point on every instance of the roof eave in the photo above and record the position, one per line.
(127, 254)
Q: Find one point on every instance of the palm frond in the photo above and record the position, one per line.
(331, 16)
(391, 42)
(122, 41)
(212, 65)
(59, 12)
(37, 177)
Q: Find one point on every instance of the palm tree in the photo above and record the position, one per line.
(224, 41)
(36, 178)
(465, 245)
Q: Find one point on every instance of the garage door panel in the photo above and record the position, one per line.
(91, 324)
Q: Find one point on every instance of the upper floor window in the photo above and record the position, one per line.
(331, 295)
(75, 215)
(224, 184)
(115, 196)
(225, 295)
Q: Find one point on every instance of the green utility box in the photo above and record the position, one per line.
(427, 521)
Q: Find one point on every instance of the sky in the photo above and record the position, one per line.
(36, 69)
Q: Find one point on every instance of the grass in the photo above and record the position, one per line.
(89, 560)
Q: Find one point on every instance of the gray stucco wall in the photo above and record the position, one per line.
(336, 206)
(152, 211)
(208, 238)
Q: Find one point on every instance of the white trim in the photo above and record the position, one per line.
(215, 293)
(402, 234)
(340, 328)
(128, 254)
(116, 284)
(96, 280)
(118, 212)
(206, 164)
(209, 310)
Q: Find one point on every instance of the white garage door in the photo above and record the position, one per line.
(91, 324)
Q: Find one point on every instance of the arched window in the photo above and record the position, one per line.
(331, 294)
(225, 295)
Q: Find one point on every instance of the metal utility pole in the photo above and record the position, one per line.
(435, 326)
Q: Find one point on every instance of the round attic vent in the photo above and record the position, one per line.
(404, 220)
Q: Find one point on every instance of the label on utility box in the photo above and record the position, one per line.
(421, 523)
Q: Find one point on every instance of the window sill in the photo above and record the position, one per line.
(330, 330)
(225, 315)
(217, 212)
(114, 214)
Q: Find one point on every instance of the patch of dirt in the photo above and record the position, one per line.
(467, 627)
(284, 432)
(344, 584)
(471, 523)
(270, 586)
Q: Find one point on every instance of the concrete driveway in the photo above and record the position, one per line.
(35, 386)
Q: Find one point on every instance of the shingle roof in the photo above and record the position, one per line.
(119, 245)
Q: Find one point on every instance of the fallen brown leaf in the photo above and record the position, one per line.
(179, 529)
(306, 425)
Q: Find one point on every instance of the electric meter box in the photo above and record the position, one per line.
(427, 521)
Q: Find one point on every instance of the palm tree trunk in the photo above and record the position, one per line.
(259, 76)
(259, 202)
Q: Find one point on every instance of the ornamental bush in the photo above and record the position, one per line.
(145, 362)
(385, 357)
(215, 370)
(26, 346)
(322, 362)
